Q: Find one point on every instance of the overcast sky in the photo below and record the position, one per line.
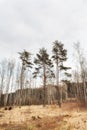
(32, 24)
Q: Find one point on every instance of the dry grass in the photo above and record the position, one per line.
(69, 117)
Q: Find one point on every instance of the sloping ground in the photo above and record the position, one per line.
(69, 117)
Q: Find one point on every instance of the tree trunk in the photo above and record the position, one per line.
(57, 74)
(57, 83)
(84, 85)
(44, 83)
(21, 85)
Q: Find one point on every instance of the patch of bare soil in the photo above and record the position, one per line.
(51, 117)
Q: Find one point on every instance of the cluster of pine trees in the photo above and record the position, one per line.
(42, 66)
(48, 69)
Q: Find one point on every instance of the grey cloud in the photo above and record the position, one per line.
(31, 24)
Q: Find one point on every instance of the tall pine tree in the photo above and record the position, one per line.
(44, 65)
(59, 56)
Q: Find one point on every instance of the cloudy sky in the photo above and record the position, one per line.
(32, 24)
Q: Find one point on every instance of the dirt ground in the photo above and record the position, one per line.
(51, 117)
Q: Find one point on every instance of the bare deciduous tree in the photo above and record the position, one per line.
(10, 70)
(81, 73)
